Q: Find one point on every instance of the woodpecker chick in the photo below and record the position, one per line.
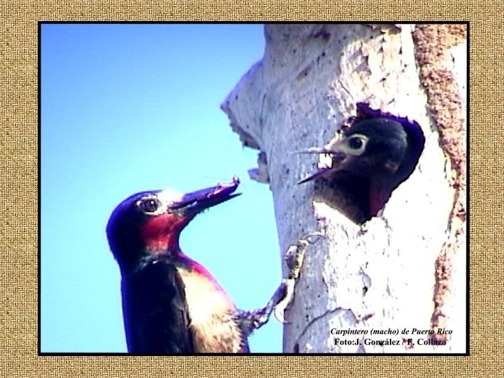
(172, 304)
(369, 161)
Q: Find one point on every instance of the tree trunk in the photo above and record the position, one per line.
(394, 272)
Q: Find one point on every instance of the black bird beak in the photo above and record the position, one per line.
(336, 156)
(319, 173)
(195, 202)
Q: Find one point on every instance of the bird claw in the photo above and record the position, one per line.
(284, 294)
(252, 320)
(285, 302)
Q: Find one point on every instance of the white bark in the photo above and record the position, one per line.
(379, 275)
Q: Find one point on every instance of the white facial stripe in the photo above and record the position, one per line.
(166, 197)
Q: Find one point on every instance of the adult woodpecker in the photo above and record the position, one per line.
(172, 304)
(372, 157)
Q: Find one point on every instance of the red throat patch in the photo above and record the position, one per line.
(377, 199)
(161, 233)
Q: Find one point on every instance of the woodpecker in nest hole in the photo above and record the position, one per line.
(370, 159)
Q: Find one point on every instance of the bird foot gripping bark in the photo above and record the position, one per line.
(284, 294)
(251, 320)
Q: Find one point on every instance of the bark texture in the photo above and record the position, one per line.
(390, 272)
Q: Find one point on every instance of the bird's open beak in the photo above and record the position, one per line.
(200, 200)
(337, 157)
(319, 173)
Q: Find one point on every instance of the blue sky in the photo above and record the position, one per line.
(133, 107)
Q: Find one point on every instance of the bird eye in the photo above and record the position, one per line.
(356, 142)
(149, 205)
